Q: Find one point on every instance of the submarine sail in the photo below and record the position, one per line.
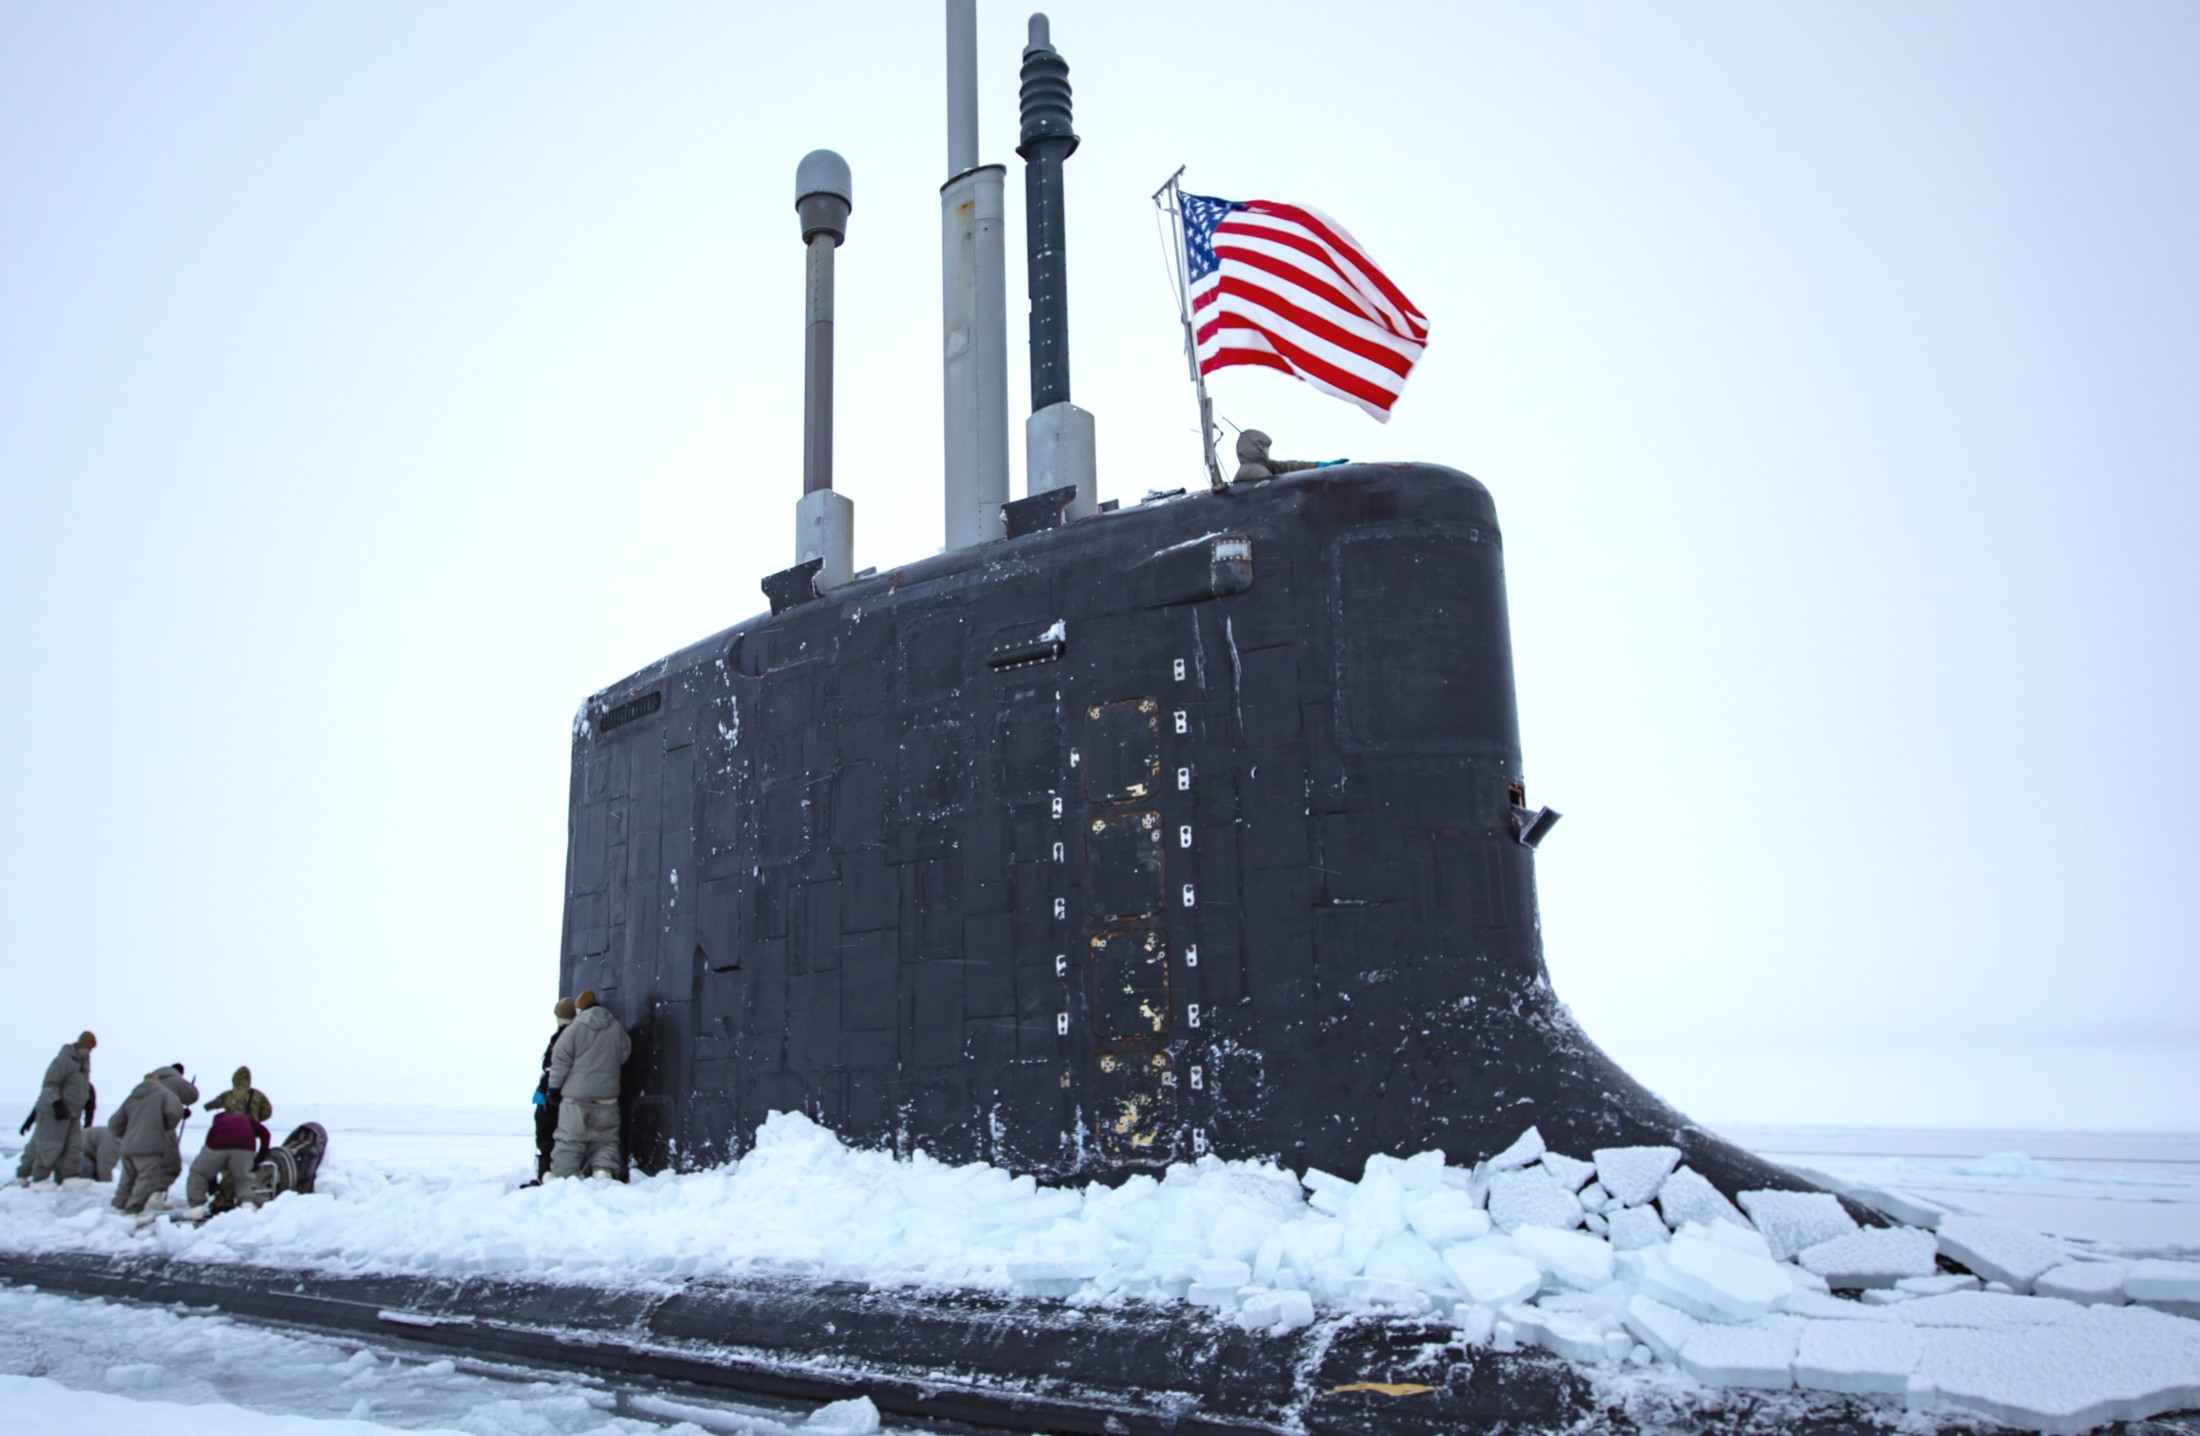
(1119, 838)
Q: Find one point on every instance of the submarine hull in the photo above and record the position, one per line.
(1188, 828)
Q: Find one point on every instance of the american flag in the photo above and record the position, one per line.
(1284, 287)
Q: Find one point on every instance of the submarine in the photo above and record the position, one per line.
(1109, 836)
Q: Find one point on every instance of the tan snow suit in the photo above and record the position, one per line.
(57, 1140)
(584, 1072)
(149, 1125)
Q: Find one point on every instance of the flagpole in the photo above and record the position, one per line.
(1180, 271)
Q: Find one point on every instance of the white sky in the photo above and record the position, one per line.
(377, 380)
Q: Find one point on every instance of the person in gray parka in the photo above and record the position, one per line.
(149, 1126)
(56, 1151)
(1254, 464)
(584, 1082)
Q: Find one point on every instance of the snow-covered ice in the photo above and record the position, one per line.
(1873, 1256)
(1728, 1299)
(1999, 1250)
(1688, 1196)
(1531, 1197)
(1632, 1175)
(1860, 1357)
(1791, 1221)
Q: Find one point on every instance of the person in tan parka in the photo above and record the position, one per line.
(56, 1151)
(149, 1126)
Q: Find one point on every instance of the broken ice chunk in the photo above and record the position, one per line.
(1476, 1324)
(1594, 1198)
(1937, 1285)
(1575, 1258)
(1761, 1354)
(1688, 1196)
(1568, 1172)
(1708, 1279)
(1634, 1227)
(1999, 1250)
(2107, 1363)
(1861, 1357)
(1522, 1198)
(1904, 1207)
(1632, 1175)
(1447, 1215)
(854, 1417)
(2163, 1281)
(1490, 1274)
(1664, 1329)
(1575, 1335)
(1791, 1221)
(1519, 1154)
(1997, 1310)
(2089, 1283)
(1871, 1257)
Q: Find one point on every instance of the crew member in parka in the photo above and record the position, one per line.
(233, 1148)
(56, 1151)
(584, 1083)
(1254, 464)
(243, 1098)
(546, 1102)
(149, 1129)
(98, 1145)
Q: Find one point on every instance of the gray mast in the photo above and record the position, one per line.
(824, 520)
(973, 304)
(1058, 437)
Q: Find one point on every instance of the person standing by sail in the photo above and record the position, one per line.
(546, 1101)
(584, 1082)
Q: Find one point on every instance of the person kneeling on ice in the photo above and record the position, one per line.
(232, 1150)
(148, 1128)
(56, 1151)
(244, 1098)
(584, 1085)
(546, 1101)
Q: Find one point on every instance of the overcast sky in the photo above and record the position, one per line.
(378, 380)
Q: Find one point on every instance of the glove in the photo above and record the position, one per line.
(553, 1096)
(60, 1110)
(28, 1123)
(1331, 463)
(540, 1100)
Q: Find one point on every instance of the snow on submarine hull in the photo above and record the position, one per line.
(1192, 827)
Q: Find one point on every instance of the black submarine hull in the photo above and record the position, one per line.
(956, 1362)
(1188, 828)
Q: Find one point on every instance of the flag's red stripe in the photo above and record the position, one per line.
(1316, 325)
(1299, 243)
(1225, 358)
(1313, 284)
(1374, 272)
(1306, 363)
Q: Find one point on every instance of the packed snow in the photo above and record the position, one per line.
(1615, 1259)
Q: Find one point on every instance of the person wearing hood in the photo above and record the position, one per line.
(234, 1146)
(546, 1101)
(243, 1098)
(584, 1084)
(148, 1128)
(1254, 465)
(56, 1151)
